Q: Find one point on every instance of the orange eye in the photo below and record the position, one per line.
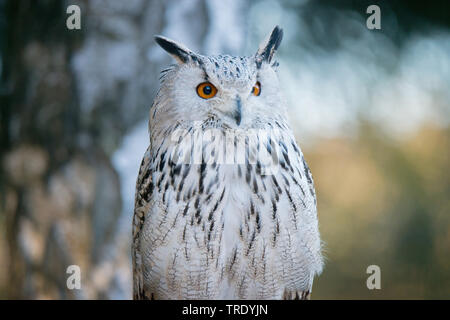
(256, 90)
(206, 90)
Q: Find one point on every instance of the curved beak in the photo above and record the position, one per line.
(237, 113)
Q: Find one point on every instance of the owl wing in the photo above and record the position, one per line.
(144, 189)
(300, 200)
(304, 196)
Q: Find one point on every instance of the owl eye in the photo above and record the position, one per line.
(206, 90)
(256, 90)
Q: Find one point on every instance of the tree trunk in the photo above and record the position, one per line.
(68, 98)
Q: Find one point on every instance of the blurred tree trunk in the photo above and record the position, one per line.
(67, 99)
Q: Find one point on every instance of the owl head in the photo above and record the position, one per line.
(237, 92)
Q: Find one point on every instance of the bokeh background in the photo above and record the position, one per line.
(370, 108)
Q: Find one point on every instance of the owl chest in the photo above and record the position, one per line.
(203, 198)
(220, 222)
(217, 209)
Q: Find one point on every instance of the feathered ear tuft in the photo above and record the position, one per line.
(176, 50)
(269, 46)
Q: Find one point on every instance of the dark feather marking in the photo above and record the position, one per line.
(286, 158)
(202, 171)
(269, 146)
(210, 216)
(248, 174)
(252, 240)
(162, 160)
(283, 164)
(166, 187)
(261, 198)
(275, 182)
(147, 172)
(299, 173)
(180, 187)
(255, 185)
(198, 211)
(186, 253)
(208, 198)
(294, 207)
(274, 209)
(233, 259)
(164, 72)
(258, 168)
(148, 191)
(185, 174)
(295, 147)
(176, 170)
(258, 222)
(161, 178)
(307, 171)
(283, 145)
(186, 209)
(223, 193)
(286, 180)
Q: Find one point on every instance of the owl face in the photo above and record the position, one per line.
(234, 92)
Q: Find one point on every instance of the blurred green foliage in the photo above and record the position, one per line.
(386, 203)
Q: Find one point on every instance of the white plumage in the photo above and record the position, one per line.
(225, 202)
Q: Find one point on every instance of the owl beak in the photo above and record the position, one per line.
(237, 113)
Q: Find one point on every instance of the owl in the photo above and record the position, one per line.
(225, 205)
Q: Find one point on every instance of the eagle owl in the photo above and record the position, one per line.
(225, 205)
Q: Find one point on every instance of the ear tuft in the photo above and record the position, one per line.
(176, 50)
(269, 46)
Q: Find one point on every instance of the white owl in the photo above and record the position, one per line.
(225, 202)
